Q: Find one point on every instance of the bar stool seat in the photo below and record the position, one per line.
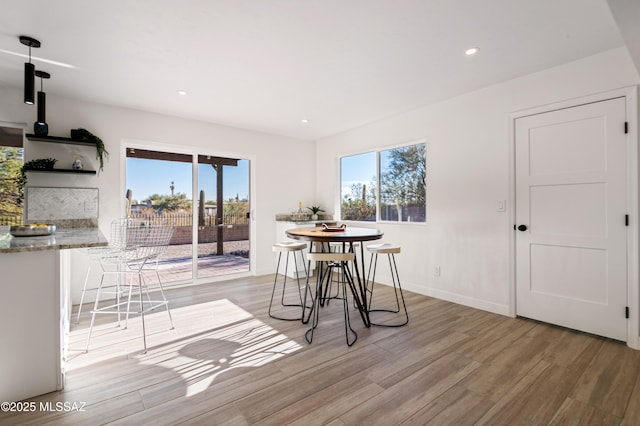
(384, 248)
(390, 250)
(289, 247)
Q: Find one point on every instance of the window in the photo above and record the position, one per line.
(358, 187)
(397, 195)
(11, 177)
(403, 184)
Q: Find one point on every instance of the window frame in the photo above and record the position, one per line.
(375, 159)
(13, 138)
(377, 151)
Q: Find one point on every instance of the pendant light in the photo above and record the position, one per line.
(40, 127)
(29, 70)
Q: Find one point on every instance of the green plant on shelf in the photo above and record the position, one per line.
(101, 152)
(39, 164)
(315, 209)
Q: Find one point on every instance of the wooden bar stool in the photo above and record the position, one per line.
(328, 262)
(293, 248)
(390, 250)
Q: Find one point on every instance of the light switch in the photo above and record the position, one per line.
(502, 205)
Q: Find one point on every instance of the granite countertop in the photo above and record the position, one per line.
(303, 218)
(61, 239)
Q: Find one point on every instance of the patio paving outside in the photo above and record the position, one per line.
(176, 263)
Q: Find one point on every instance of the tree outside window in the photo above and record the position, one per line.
(358, 188)
(403, 184)
(11, 185)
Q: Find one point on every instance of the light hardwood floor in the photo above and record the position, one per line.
(227, 362)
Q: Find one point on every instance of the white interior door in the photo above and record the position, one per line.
(571, 250)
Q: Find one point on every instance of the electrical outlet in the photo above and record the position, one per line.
(436, 271)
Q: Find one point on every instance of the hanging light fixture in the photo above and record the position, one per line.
(29, 70)
(40, 127)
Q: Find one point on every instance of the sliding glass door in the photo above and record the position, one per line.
(160, 186)
(223, 216)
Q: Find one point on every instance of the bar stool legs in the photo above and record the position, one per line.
(390, 250)
(336, 275)
(95, 256)
(293, 248)
(324, 275)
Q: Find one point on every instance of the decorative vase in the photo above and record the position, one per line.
(76, 135)
(314, 217)
(40, 129)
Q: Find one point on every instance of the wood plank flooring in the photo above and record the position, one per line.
(227, 363)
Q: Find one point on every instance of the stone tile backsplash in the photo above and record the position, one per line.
(64, 207)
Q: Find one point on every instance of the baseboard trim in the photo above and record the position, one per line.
(496, 308)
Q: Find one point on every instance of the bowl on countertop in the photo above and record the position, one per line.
(33, 230)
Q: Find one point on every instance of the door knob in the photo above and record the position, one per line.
(522, 228)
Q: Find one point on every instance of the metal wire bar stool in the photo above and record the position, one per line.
(95, 255)
(145, 242)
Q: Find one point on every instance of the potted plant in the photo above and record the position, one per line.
(85, 135)
(314, 212)
(40, 164)
(37, 164)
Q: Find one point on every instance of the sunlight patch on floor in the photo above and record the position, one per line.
(209, 339)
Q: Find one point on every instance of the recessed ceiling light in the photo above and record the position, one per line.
(304, 121)
(182, 92)
(471, 51)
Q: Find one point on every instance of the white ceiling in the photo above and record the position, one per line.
(266, 64)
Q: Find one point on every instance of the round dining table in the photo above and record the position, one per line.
(347, 235)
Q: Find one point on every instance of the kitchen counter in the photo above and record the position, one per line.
(286, 222)
(309, 222)
(61, 239)
(36, 307)
(303, 218)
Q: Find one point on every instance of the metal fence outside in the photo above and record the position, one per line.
(173, 219)
(186, 219)
(10, 220)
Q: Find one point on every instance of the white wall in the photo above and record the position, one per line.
(467, 174)
(467, 170)
(283, 168)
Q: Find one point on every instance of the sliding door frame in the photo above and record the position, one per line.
(194, 151)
